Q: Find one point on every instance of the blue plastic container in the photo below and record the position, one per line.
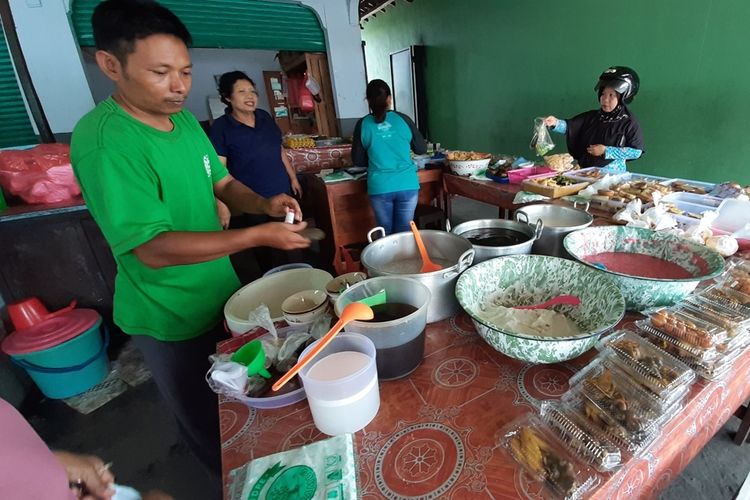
(70, 368)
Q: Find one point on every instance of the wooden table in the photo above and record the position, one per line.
(345, 213)
(499, 195)
(437, 431)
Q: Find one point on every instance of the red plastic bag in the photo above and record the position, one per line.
(42, 174)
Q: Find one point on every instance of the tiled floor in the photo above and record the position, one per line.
(136, 434)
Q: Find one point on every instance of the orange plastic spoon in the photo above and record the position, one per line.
(427, 265)
(353, 312)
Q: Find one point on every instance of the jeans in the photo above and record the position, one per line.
(393, 211)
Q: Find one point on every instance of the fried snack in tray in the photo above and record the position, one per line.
(687, 187)
(741, 285)
(708, 369)
(735, 323)
(560, 162)
(682, 328)
(467, 156)
(654, 365)
(568, 421)
(630, 190)
(727, 297)
(532, 451)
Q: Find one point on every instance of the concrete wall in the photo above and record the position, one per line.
(207, 63)
(61, 75)
(53, 59)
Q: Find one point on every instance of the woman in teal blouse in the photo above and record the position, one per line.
(382, 142)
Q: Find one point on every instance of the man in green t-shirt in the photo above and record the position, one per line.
(150, 177)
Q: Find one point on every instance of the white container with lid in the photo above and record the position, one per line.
(341, 384)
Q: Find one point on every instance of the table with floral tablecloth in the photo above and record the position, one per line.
(313, 160)
(437, 430)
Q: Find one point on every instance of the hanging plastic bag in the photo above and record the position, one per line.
(541, 142)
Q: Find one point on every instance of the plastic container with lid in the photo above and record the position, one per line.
(727, 298)
(713, 369)
(575, 433)
(534, 446)
(704, 200)
(679, 323)
(674, 346)
(341, 384)
(631, 443)
(399, 342)
(664, 374)
(735, 323)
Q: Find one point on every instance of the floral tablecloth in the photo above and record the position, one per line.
(313, 160)
(436, 433)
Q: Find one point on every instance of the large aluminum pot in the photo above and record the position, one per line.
(558, 222)
(383, 257)
(484, 226)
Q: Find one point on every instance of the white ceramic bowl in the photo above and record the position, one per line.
(303, 307)
(339, 283)
(466, 168)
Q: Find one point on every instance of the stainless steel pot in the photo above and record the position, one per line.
(484, 252)
(558, 221)
(381, 254)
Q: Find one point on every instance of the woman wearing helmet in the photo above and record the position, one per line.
(608, 136)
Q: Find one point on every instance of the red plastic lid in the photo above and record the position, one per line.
(51, 332)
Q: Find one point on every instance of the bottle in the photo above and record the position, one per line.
(289, 218)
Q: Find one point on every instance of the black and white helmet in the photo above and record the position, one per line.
(622, 79)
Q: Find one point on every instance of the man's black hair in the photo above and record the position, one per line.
(118, 24)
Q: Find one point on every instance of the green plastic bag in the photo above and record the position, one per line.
(321, 470)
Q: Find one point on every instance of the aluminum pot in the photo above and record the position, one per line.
(382, 257)
(558, 222)
(486, 252)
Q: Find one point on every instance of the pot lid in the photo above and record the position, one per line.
(51, 332)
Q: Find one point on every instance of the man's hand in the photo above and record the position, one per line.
(280, 204)
(550, 121)
(280, 235)
(91, 472)
(596, 150)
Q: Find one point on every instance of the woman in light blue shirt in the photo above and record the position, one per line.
(382, 142)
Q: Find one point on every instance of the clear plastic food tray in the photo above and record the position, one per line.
(689, 185)
(735, 323)
(728, 298)
(573, 430)
(581, 175)
(709, 202)
(535, 447)
(674, 346)
(664, 374)
(689, 328)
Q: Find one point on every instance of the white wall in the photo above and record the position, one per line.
(57, 67)
(52, 56)
(206, 64)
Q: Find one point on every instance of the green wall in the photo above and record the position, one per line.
(492, 66)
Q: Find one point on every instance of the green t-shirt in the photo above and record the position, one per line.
(138, 182)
